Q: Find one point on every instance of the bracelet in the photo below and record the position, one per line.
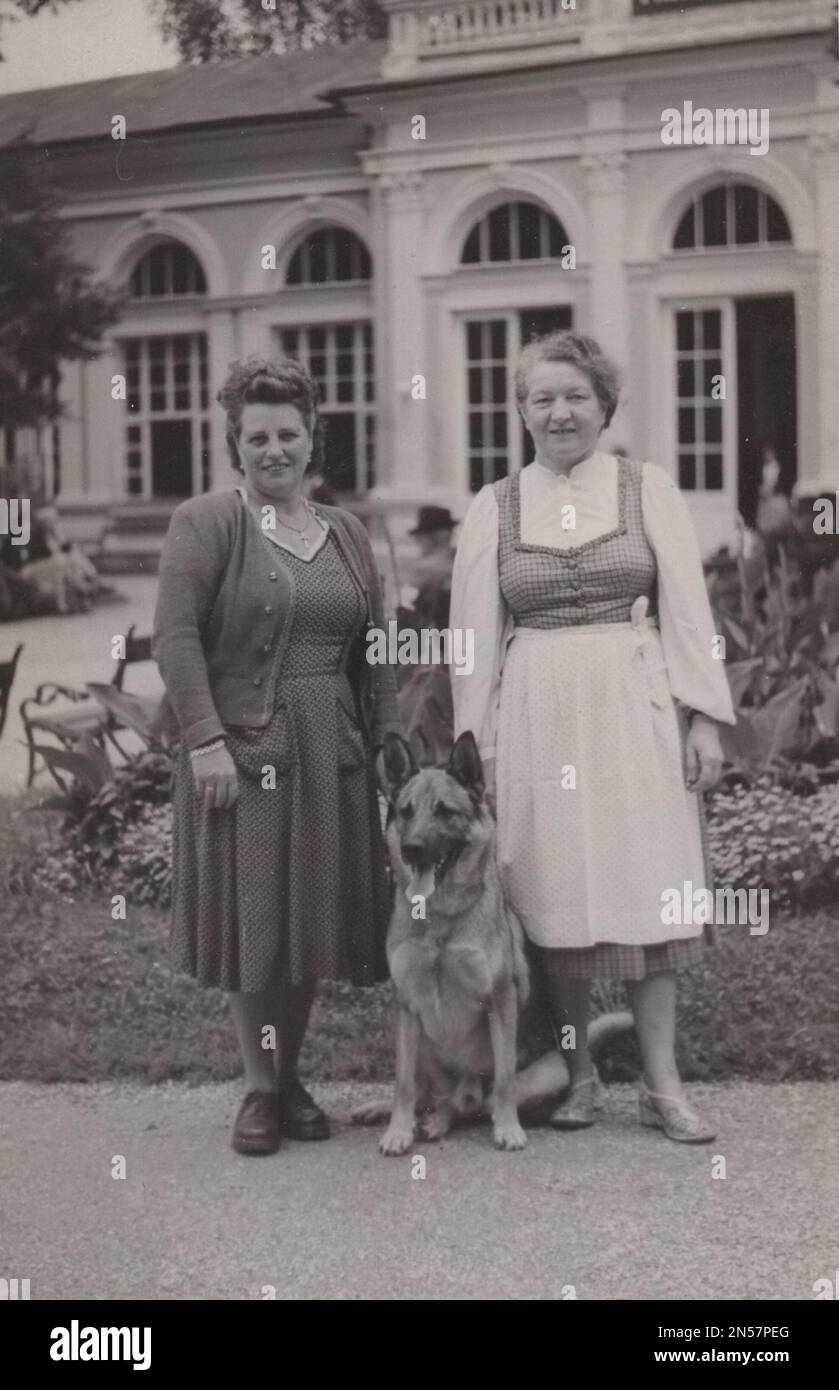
(207, 748)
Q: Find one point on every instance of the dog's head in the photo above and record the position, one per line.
(434, 812)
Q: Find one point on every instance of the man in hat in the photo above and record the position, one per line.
(432, 570)
(424, 700)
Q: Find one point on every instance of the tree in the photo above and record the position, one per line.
(50, 310)
(206, 30)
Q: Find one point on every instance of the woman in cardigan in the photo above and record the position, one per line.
(573, 696)
(279, 868)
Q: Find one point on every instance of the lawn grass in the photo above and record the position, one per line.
(87, 998)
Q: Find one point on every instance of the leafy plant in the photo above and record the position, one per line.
(785, 650)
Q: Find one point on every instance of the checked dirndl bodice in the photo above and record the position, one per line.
(597, 582)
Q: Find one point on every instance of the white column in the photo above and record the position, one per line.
(71, 396)
(825, 153)
(221, 350)
(403, 338)
(606, 172)
(104, 422)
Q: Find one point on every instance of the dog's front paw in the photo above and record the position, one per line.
(397, 1139)
(509, 1136)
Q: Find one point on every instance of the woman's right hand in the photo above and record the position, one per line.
(216, 783)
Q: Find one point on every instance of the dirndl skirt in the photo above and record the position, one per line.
(291, 881)
(595, 823)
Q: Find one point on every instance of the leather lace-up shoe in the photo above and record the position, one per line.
(256, 1130)
(299, 1116)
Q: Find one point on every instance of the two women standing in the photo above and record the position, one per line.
(577, 699)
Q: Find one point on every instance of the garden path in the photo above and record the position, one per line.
(616, 1211)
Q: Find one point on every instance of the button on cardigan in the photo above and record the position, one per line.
(224, 612)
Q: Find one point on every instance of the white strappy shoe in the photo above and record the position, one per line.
(677, 1118)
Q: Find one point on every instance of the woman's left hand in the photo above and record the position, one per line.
(703, 754)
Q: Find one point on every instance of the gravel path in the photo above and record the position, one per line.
(616, 1211)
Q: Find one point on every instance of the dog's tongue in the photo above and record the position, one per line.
(421, 883)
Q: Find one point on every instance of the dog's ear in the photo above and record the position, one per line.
(396, 764)
(465, 765)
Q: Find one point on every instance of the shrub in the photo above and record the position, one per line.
(763, 834)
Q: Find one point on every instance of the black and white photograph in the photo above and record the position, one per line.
(419, 662)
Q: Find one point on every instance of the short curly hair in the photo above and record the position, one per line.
(582, 352)
(271, 381)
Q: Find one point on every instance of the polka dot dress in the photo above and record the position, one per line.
(292, 879)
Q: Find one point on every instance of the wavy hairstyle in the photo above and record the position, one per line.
(582, 352)
(271, 381)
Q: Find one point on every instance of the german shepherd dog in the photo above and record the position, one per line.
(457, 959)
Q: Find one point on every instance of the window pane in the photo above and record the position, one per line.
(473, 341)
(499, 233)
(498, 339)
(476, 394)
(746, 227)
(713, 218)
(687, 425)
(685, 377)
(499, 383)
(317, 339)
(530, 221)
(713, 471)
(777, 226)
(684, 331)
(476, 430)
(317, 258)
(711, 328)
(345, 392)
(499, 429)
(684, 238)
(344, 267)
(157, 272)
(180, 271)
(687, 471)
(713, 425)
(344, 334)
(711, 368)
(472, 246)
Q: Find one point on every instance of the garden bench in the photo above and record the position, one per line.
(68, 714)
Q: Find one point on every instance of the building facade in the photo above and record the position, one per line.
(404, 215)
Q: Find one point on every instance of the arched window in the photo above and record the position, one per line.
(514, 232)
(167, 271)
(732, 214)
(328, 256)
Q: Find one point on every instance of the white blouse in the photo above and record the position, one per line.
(568, 511)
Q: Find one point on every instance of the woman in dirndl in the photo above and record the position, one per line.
(279, 870)
(595, 699)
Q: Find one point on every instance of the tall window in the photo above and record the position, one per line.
(730, 215)
(497, 441)
(328, 256)
(698, 373)
(167, 432)
(167, 271)
(514, 232)
(340, 358)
